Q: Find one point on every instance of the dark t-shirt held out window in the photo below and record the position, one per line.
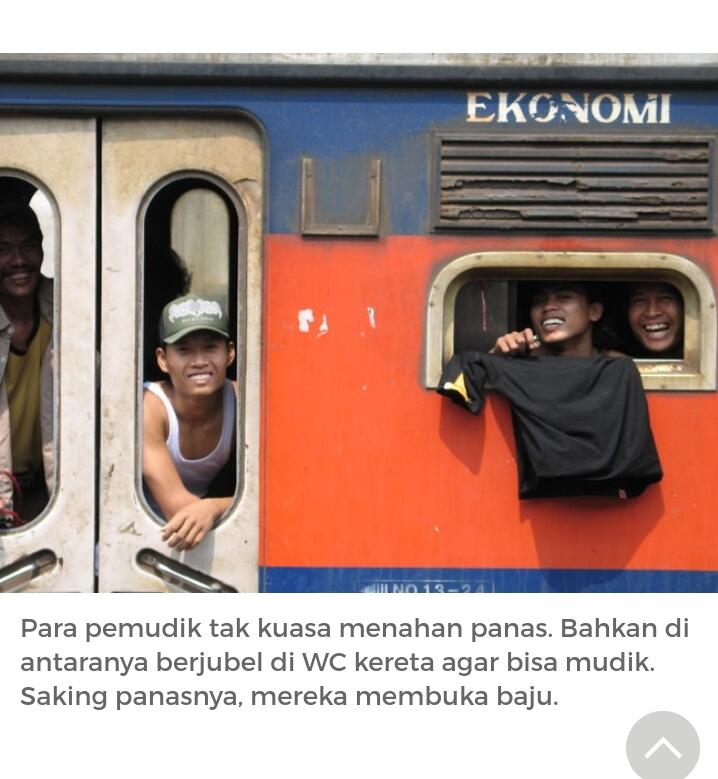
(580, 423)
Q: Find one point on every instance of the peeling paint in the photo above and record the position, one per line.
(372, 317)
(130, 529)
(323, 327)
(305, 317)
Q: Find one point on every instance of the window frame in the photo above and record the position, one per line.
(40, 186)
(695, 371)
(240, 326)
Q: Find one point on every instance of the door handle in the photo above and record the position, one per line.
(26, 569)
(179, 574)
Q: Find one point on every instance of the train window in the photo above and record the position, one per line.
(191, 252)
(27, 305)
(641, 318)
(658, 309)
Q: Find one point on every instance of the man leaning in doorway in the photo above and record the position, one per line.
(26, 299)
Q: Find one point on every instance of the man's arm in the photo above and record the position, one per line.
(191, 518)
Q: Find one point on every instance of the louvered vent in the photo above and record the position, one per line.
(578, 184)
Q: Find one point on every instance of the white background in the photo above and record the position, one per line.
(369, 26)
(584, 736)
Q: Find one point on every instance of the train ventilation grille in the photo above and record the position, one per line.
(574, 184)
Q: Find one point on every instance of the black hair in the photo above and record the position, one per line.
(15, 213)
(593, 290)
(166, 278)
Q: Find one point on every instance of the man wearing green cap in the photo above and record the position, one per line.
(189, 419)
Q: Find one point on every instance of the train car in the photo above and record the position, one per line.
(363, 219)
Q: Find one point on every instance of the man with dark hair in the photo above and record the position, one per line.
(26, 304)
(580, 422)
(563, 315)
(655, 317)
(189, 419)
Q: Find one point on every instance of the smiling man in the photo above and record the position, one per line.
(563, 315)
(580, 417)
(25, 367)
(655, 316)
(189, 419)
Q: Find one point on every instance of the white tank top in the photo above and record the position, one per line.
(198, 474)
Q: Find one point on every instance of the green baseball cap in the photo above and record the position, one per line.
(191, 313)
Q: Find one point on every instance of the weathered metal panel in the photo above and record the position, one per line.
(341, 197)
(59, 155)
(139, 156)
(562, 183)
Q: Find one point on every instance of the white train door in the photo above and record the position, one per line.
(57, 158)
(146, 163)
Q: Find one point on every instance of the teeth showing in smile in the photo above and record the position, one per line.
(553, 322)
(20, 276)
(657, 331)
(200, 377)
(657, 328)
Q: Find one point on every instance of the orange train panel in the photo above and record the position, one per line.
(362, 466)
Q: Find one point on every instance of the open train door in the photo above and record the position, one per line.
(56, 159)
(146, 163)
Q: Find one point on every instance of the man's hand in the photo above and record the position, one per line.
(516, 344)
(191, 524)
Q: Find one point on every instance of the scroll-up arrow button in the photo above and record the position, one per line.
(663, 745)
(662, 742)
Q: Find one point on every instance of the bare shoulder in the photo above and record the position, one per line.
(154, 414)
(235, 388)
